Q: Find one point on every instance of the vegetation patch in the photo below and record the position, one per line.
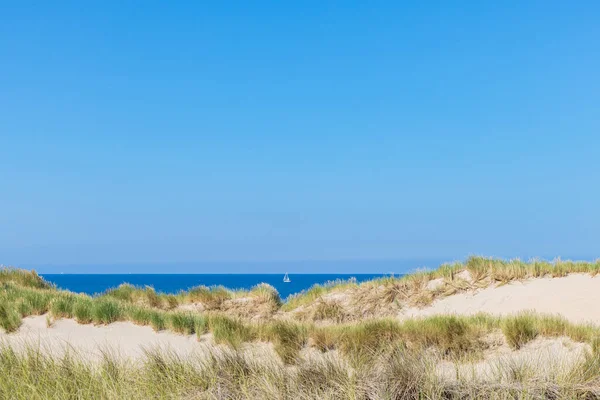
(62, 306)
(183, 322)
(519, 330)
(107, 311)
(329, 310)
(83, 310)
(10, 320)
(229, 330)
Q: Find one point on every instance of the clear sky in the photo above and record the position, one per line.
(179, 132)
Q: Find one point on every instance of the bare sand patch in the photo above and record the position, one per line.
(123, 339)
(575, 297)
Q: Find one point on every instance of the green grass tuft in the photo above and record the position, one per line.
(107, 311)
(158, 320)
(520, 329)
(229, 330)
(10, 319)
(288, 337)
(182, 322)
(83, 310)
(23, 278)
(62, 306)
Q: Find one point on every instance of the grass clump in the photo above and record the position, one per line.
(25, 278)
(266, 293)
(151, 298)
(39, 301)
(83, 310)
(324, 338)
(329, 310)
(520, 329)
(288, 337)
(145, 296)
(62, 306)
(140, 315)
(316, 292)
(107, 311)
(158, 320)
(10, 318)
(229, 330)
(124, 292)
(367, 338)
(169, 301)
(211, 298)
(201, 325)
(183, 322)
(449, 334)
(24, 308)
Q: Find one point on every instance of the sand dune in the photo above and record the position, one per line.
(575, 297)
(121, 338)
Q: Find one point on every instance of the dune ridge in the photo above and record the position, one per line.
(485, 326)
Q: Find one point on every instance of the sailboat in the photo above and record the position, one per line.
(286, 278)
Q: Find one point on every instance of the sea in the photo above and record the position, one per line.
(172, 283)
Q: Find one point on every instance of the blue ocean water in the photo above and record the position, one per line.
(173, 283)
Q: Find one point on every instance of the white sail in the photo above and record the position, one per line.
(286, 278)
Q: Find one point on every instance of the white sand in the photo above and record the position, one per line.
(542, 357)
(123, 339)
(575, 297)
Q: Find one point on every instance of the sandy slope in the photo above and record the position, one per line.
(126, 340)
(575, 297)
(121, 338)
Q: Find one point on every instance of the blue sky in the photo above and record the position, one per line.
(297, 131)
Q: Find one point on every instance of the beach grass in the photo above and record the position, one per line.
(158, 320)
(519, 330)
(184, 322)
(230, 331)
(410, 289)
(83, 310)
(107, 311)
(452, 335)
(23, 277)
(10, 319)
(329, 311)
(374, 358)
(396, 373)
(317, 291)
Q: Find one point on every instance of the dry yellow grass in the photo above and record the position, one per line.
(364, 355)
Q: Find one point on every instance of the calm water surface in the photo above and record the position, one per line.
(92, 283)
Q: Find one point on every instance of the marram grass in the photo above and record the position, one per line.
(396, 373)
(483, 271)
(452, 335)
(379, 358)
